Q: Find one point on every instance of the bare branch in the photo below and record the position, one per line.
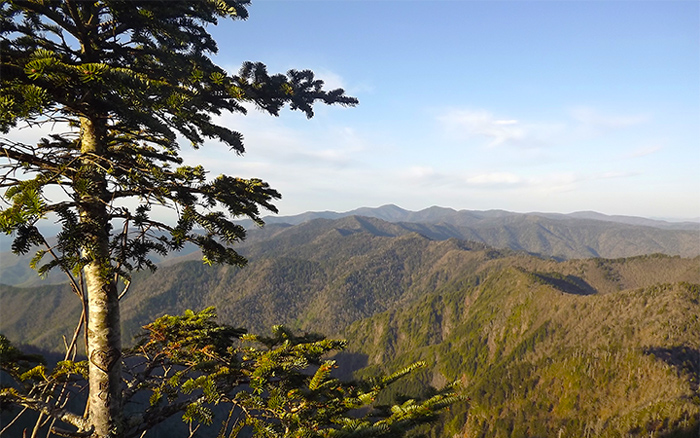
(144, 422)
(8, 425)
(61, 432)
(126, 288)
(82, 424)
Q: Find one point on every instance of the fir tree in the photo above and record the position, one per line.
(278, 386)
(123, 80)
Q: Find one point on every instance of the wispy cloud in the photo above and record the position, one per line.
(506, 180)
(285, 140)
(331, 80)
(579, 123)
(527, 135)
(483, 124)
(32, 134)
(612, 175)
(494, 179)
(420, 172)
(498, 180)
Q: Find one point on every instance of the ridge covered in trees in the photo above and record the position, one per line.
(538, 345)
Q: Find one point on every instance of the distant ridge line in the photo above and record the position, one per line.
(437, 214)
(550, 235)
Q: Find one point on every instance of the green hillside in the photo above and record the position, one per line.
(547, 235)
(536, 360)
(574, 348)
(562, 237)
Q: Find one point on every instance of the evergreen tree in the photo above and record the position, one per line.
(123, 79)
(278, 386)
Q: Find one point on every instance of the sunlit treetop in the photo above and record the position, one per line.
(125, 81)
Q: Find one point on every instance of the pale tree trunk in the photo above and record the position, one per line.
(103, 324)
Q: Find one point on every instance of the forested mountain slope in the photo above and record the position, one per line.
(538, 361)
(589, 347)
(547, 235)
(578, 235)
(324, 276)
(436, 215)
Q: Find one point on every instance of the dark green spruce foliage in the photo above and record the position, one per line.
(118, 82)
(141, 71)
(272, 386)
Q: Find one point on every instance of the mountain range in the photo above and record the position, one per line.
(436, 215)
(559, 236)
(544, 343)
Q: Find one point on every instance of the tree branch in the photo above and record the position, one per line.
(150, 418)
(8, 425)
(81, 423)
(40, 9)
(61, 432)
(31, 159)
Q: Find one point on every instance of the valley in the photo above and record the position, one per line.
(545, 340)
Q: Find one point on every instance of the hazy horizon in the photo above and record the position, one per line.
(669, 219)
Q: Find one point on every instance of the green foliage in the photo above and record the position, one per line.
(537, 360)
(17, 364)
(120, 82)
(280, 385)
(114, 79)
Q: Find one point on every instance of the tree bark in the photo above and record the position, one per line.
(103, 324)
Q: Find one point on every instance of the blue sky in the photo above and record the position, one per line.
(555, 106)
(524, 106)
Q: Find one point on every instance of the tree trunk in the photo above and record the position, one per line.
(103, 324)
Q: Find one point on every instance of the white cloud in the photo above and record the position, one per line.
(32, 134)
(420, 172)
(285, 141)
(482, 124)
(555, 182)
(612, 175)
(428, 178)
(509, 181)
(331, 80)
(581, 123)
(528, 136)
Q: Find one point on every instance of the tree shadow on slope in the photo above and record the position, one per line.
(569, 284)
(685, 360)
(689, 432)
